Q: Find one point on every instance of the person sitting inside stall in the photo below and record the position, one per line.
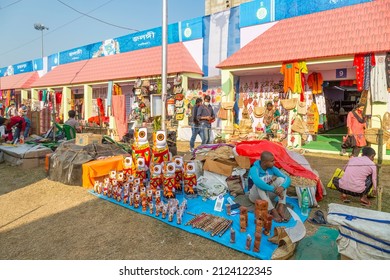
(72, 121)
(359, 177)
(270, 119)
(270, 183)
(17, 121)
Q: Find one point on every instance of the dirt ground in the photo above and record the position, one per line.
(41, 219)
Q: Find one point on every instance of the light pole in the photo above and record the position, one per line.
(41, 27)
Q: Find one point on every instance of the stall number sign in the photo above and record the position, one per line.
(341, 73)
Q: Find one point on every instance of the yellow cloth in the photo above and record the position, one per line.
(313, 119)
(302, 68)
(98, 168)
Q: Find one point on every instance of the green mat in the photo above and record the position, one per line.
(320, 246)
(328, 141)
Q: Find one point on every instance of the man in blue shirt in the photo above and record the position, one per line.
(269, 183)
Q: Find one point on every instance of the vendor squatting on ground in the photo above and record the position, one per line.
(269, 183)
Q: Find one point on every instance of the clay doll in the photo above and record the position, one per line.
(141, 146)
(190, 180)
(160, 150)
(169, 180)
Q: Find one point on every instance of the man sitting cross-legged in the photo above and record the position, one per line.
(269, 183)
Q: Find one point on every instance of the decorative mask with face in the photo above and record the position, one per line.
(160, 139)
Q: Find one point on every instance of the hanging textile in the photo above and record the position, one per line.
(387, 65)
(378, 80)
(313, 119)
(315, 82)
(119, 112)
(369, 62)
(321, 103)
(289, 70)
(301, 69)
(8, 96)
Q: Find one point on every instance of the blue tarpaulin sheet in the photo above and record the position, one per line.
(198, 206)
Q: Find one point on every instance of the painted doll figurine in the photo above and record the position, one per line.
(114, 188)
(169, 180)
(179, 167)
(96, 186)
(120, 177)
(149, 195)
(160, 150)
(137, 200)
(128, 167)
(141, 146)
(140, 170)
(155, 177)
(112, 175)
(126, 191)
(190, 180)
(131, 199)
(157, 197)
(144, 203)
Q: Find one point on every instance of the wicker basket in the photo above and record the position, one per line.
(371, 135)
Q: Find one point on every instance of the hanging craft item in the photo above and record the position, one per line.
(178, 89)
(222, 113)
(177, 80)
(138, 83)
(289, 103)
(241, 100)
(259, 110)
(171, 107)
(180, 113)
(302, 110)
(245, 113)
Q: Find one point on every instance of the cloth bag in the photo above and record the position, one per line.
(302, 109)
(235, 185)
(349, 141)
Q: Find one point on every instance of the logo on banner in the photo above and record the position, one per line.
(262, 12)
(341, 73)
(187, 32)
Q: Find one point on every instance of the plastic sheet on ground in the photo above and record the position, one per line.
(364, 233)
(66, 163)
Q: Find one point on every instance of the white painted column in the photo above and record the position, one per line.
(87, 102)
(66, 101)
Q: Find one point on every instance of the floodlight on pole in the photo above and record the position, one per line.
(41, 27)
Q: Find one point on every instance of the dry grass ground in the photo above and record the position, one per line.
(42, 219)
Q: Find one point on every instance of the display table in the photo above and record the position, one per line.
(97, 169)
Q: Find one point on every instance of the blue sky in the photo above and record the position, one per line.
(69, 29)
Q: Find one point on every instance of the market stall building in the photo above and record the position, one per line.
(325, 47)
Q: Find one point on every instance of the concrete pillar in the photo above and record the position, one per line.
(66, 101)
(87, 101)
(24, 94)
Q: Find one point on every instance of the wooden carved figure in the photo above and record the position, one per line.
(190, 180)
(150, 204)
(141, 170)
(160, 150)
(100, 188)
(141, 146)
(248, 242)
(232, 235)
(259, 225)
(242, 223)
(169, 180)
(155, 177)
(157, 197)
(256, 247)
(112, 175)
(179, 168)
(268, 225)
(244, 212)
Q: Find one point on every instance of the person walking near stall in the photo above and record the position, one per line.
(356, 125)
(193, 121)
(205, 117)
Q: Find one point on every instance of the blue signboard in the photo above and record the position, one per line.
(76, 54)
(292, 8)
(23, 67)
(191, 29)
(3, 71)
(256, 12)
(52, 61)
(38, 64)
(341, 73)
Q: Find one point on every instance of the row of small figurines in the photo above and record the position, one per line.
(266, 86)
(143, 197)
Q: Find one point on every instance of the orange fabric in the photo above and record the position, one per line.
(119, 113)
(99, 168)
(315, 82)
(357, 129)
(289, 70)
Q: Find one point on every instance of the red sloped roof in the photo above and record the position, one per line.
(349, 30)
(140, 63)
(19, 81)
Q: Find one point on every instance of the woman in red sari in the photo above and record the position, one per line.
(356, 125)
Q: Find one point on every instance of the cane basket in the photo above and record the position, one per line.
(372, 136)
